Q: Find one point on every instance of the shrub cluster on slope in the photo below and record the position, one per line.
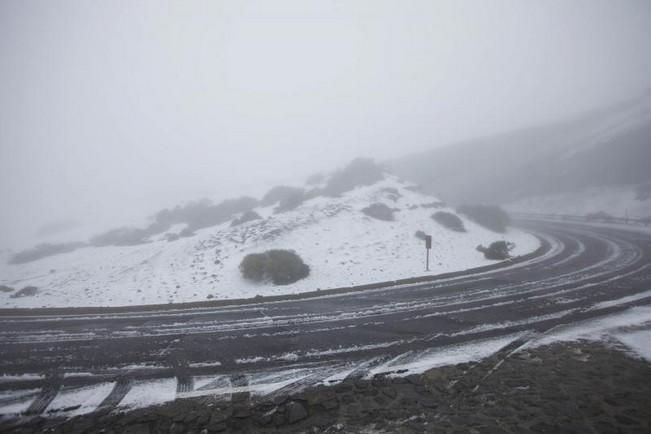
(290, 202)
(246, 217)
(449, 220)
(359, 172)
(196, 215)
(491, 217)
(280, 267)
(379, 211)
(279, 194)
(203, 214)
(497, 251)
(42, 251)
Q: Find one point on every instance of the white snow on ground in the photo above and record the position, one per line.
(19, 402)
(616, 201)
(20, 377)
(88, 398)
(450, 355)
(341, 245)
(639, 342)
(146, 393)
(631, 327)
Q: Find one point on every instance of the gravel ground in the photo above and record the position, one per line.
(581, 387)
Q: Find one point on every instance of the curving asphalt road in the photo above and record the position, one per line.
(580, 272)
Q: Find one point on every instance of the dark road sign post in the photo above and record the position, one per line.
(428, 246)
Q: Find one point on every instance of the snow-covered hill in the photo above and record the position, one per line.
(341, 244)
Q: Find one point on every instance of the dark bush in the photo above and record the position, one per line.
(5, 288)
(449, 220)
(392, 193)
(254, 267)
(420, 235)
(379, 211)
(245, 218)
(497, 251)
(279, 194)
(42, 251)
(280, 267)
(359, 172)
(491, 217)
(27, 291)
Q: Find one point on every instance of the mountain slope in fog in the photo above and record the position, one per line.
(607, 147)
(340, 242)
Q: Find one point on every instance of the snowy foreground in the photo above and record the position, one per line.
(629, 330)
(341, 244)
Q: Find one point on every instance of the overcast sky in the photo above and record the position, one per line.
(111, 110)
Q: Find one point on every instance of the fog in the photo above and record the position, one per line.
(110, 111)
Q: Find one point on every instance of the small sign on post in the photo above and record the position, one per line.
(428, 246)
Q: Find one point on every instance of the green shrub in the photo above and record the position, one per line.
(497, 251)
(280, 267)
(491, 217)
(449, 220)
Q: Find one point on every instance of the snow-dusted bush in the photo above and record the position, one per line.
(491, 217)
(392, 193)
(27, 291)
(449, 220)
(379, 211)
(246, 217)
(5, 288)
(420, 235)
(497, 251)
(280, 267)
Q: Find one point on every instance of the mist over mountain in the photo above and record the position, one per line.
(608, 147)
